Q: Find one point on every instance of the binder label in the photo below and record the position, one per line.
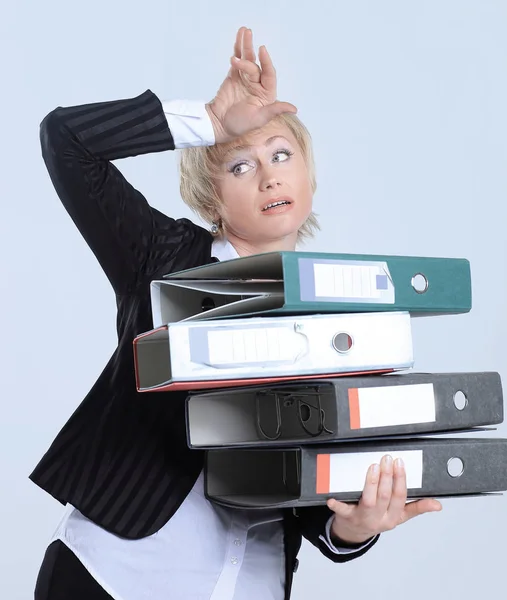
(256, 346)
(345, 281)
(346, 471)
(391, 405)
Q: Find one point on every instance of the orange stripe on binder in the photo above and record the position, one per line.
(355, 418)
(323, 473)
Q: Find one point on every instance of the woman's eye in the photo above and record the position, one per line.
(283, 155)
(240, 169)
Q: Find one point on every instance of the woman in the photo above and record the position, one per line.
(137, 524)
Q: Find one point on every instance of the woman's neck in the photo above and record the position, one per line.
(247, 248)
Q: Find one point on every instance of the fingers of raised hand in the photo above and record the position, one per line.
(243, 45)
(247, 49)
(268, 73)
(246, 68)
(234, 73)
(244, 59)
(238, 42)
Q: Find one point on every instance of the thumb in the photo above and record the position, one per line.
(342, 509)
(420, 507)
(277, 108)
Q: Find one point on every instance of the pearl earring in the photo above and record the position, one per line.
(214, 228)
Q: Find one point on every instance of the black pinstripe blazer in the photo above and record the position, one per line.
(122, 459)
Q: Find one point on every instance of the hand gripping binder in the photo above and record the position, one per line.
(344, 408)
(311, 282)
(208, 354)
(309, 475)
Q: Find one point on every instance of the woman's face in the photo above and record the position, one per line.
(264, 187)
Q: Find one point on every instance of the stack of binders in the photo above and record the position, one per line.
(299, 372)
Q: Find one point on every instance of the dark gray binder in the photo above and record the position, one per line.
(309, 475)
(341, 409)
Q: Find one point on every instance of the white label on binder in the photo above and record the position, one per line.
(253, 345)
(347, 471)
(353, 280)
(392, 405)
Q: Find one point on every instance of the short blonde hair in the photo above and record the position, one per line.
(199, 167)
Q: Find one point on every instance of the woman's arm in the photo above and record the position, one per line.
(78, 145)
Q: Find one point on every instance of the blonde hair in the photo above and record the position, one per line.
(199, 168)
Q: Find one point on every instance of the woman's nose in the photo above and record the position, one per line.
(270, 181)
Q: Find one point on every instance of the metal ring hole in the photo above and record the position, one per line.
(460, 400)
(342, 342)
(455, 467)
(419, 283)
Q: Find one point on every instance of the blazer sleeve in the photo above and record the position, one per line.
(312, 525)
(78, 144)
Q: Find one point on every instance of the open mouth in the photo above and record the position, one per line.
(275, 204)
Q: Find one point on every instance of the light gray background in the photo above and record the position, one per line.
(406, 102)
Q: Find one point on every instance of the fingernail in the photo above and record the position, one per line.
(399, 463)
(375, 469)
(388, 461)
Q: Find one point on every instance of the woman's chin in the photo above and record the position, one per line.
(282, 228)
(282, 234)
(283, 225)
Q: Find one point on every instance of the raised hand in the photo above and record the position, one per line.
(246, 99)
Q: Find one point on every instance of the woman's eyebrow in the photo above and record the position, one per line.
(266, 143)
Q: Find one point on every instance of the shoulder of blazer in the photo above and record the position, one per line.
(178, 244)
